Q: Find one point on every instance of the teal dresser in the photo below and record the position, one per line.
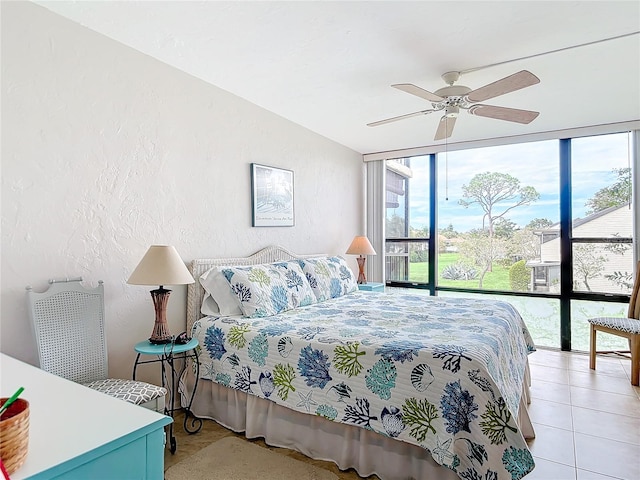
(76, 433)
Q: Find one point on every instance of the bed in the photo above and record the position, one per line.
(397, 384)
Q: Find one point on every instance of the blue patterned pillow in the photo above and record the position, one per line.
(329, 277)
(265, 290)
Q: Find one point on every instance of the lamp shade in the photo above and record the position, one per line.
(161, 265)
(361, 246)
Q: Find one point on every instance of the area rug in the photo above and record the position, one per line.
(232, 458)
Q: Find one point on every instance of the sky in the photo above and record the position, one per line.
(533, 164)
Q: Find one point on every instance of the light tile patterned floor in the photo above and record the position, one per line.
(587, 422)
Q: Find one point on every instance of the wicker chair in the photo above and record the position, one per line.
(68, 322)
(624, 327)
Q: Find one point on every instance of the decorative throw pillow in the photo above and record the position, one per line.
(218, 299)
(329, 277)
(265, 290)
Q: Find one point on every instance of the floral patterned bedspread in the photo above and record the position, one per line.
(443, 373)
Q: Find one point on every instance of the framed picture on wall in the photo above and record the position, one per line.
(271, 196)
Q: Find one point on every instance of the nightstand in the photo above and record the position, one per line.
(166, 354)
(371, 287)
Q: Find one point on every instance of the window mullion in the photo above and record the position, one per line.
(566, 250)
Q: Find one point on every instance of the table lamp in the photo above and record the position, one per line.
(361, 246)
(161, 265)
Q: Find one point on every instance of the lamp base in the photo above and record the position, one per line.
(160, 341)
(160, 334)
(361, 276)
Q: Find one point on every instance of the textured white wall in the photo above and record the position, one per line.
(106, 151)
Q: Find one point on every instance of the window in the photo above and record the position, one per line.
(407, 220)
(498, 212)
(547, 226)
(602, 235)
(602, 215)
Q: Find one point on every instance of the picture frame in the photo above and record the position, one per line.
(272, 197)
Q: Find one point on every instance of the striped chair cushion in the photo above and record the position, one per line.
(130, 391)
(629, 325)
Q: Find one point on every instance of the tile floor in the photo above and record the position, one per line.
(587, 422)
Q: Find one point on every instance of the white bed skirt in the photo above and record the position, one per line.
(316, 437)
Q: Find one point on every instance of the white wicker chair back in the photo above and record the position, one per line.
(69, 325)
(68, 321)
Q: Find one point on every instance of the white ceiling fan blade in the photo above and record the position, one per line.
(445, 127)
(401, 117)
(508, 84)
(420, 92)
(504, 113)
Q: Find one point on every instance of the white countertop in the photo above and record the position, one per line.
(67, 420)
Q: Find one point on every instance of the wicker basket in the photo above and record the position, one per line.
(14, 434)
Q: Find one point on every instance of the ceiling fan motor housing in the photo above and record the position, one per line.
(453, 96)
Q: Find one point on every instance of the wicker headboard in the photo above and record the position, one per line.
(195, 292)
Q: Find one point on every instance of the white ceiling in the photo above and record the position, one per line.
(328, 65)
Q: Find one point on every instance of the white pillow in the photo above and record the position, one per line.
(219, 293)
(265, 290)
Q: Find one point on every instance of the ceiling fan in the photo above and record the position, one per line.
(452, 98)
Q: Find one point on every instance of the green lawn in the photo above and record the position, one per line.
(498, 279)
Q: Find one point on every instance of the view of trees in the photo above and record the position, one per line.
(614, 195)
(496, 194)
(501, 242)
(491, 191)
(588, 263)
